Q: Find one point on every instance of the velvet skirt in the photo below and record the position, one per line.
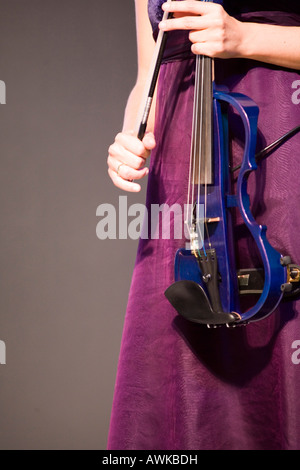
(182, 386)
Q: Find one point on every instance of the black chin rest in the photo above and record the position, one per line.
(191, 302)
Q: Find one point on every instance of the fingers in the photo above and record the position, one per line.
(121, 154)
(149, 141)
(136, 147)
(191, 15)
(212, 31)
(130, 150)
(125, 171)
(118, 181)
(192, 7)
(127, 158)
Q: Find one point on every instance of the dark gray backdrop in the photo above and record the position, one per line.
(68, 66)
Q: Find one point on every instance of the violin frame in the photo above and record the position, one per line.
(194, 292)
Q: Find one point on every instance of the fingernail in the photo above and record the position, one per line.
(162, 24)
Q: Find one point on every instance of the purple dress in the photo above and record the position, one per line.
(181, 386)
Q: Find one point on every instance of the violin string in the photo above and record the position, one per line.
(198, 150)
(208, 121)
(194, 145)
(195, 142)
(189, 217)
(201, 147)
(203, 157)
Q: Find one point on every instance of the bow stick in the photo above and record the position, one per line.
(151, 81)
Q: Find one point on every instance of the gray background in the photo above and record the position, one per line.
(68, 66)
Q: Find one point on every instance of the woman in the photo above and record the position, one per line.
(180, 386)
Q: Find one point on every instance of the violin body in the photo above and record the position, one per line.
(206, 288)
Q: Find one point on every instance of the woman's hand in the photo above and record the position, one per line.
(216, 34)
(127, 158)
(212, 31)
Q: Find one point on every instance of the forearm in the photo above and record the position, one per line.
(145, 49)
(278, 45)
(132, 109)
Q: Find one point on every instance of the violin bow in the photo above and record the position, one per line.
(144, 111)
(270, 148)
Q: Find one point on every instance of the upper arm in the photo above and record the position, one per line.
(145, 41)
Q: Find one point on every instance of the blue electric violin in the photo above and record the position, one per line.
(208, 287)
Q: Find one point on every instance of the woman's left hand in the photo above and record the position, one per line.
(212, 31)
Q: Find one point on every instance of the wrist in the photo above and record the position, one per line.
(247, 40)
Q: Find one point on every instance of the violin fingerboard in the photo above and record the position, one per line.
(202, 135)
